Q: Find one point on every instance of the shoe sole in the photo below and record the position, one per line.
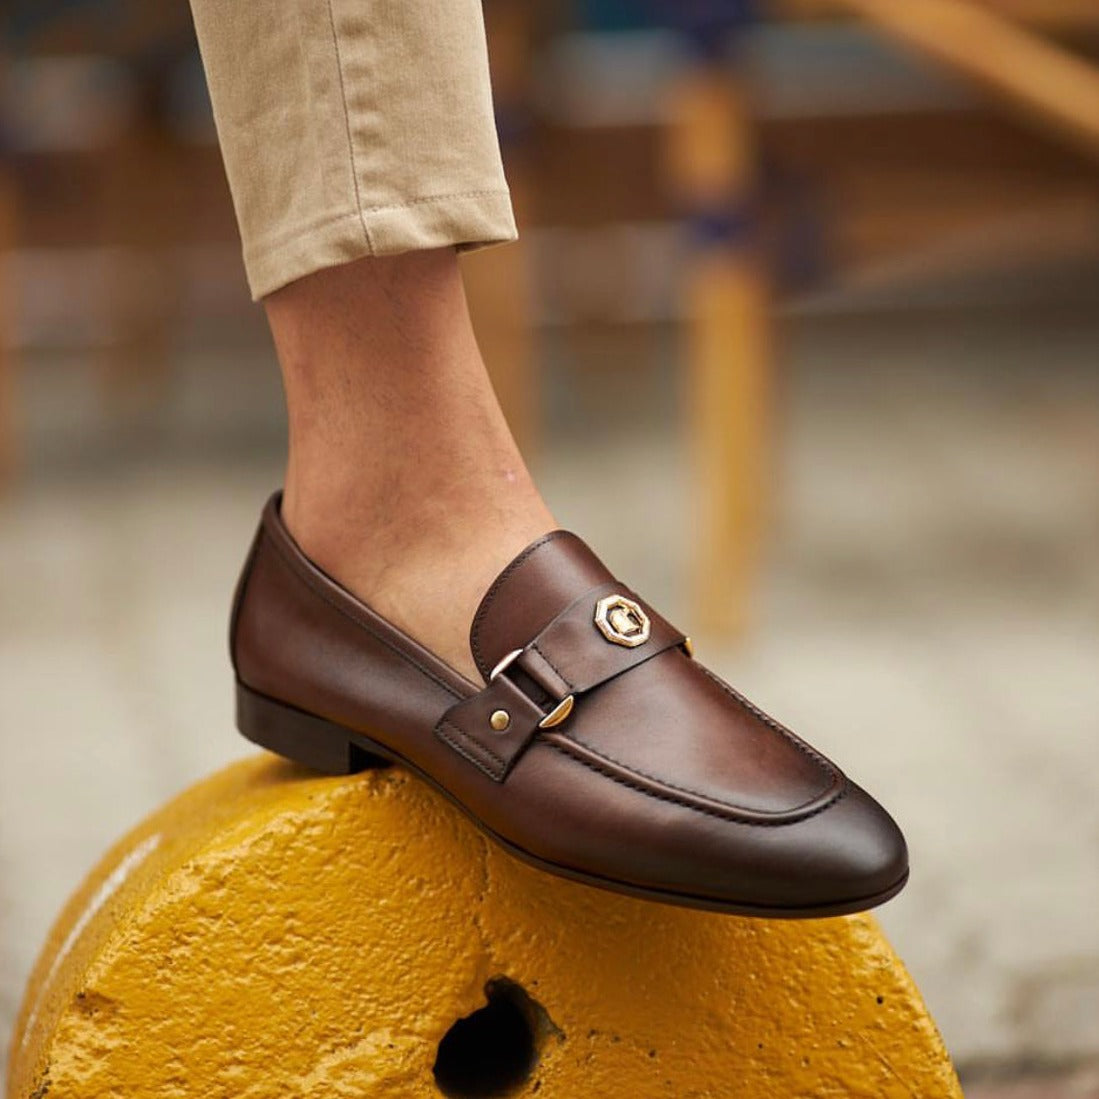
(336, 750)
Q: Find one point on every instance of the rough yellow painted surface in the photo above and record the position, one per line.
(271, 933)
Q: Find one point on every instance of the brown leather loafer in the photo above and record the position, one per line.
(597, 748)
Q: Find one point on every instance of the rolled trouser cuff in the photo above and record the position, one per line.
(465, 221)
(353, 128)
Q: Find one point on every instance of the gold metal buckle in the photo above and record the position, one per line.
(557, 714)
(622, 621)
(504, 663)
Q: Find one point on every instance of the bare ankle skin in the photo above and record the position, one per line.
(403, 480)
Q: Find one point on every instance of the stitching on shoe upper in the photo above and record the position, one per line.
(564, 678)
(830, 771)
(686, 789)
(646, 658)
(821, 761)
(321, 594)
(467, 754)
(490, 596)
(825, 764)
(731, 813)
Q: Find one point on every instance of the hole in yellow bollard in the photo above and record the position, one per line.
(493, 1051)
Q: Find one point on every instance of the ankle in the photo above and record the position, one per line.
(396, 510)
(423, 561)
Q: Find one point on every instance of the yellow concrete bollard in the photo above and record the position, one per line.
(272, 933)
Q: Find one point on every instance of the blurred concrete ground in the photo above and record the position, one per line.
(929, 616)
(1051, 1085)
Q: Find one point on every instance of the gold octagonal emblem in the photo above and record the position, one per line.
(622, 621)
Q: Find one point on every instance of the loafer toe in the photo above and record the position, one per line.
(852, 855)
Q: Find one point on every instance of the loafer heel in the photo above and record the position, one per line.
(301, 737)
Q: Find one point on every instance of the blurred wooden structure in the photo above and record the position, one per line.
(712, 168)
(1058, 88)
(713, 159)
(887, 187)
(1044, 16)
(9, 426)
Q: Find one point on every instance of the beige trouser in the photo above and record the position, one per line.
(353, 128)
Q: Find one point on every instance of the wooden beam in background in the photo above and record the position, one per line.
(9, 421)
(1044, 15)
(1048, 82)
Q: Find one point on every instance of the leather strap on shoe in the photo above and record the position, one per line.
(603, 633)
